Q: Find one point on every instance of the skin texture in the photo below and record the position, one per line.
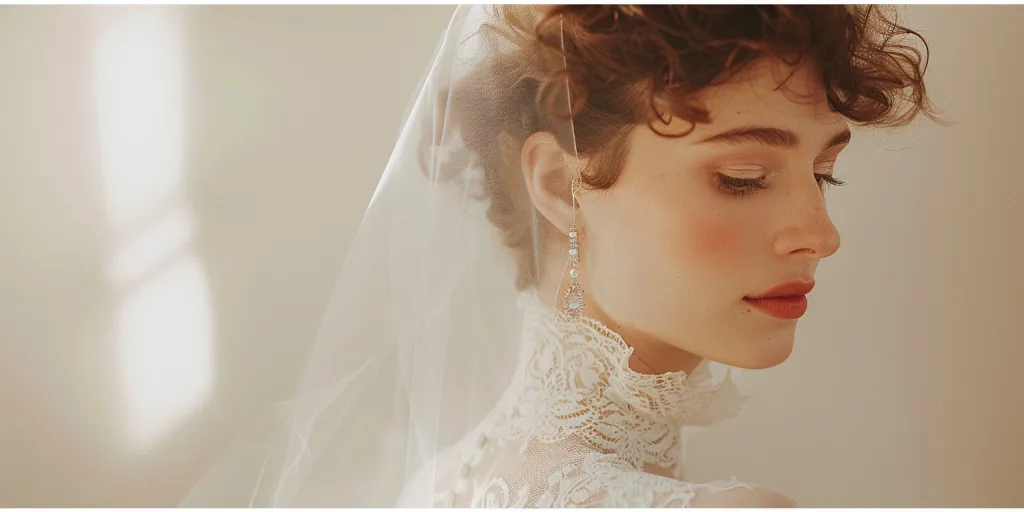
(668, 253)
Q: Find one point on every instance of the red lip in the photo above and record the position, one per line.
(790, 289)
(787, 301)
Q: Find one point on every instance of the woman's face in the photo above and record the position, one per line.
(697, 225)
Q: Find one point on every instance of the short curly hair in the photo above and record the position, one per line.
(632, 65)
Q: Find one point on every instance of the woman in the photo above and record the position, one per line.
(591, 212)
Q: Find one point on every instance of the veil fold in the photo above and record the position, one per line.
(421, 332)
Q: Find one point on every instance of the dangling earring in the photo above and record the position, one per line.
(572, 304)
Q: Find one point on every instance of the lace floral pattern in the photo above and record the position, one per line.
(578, 427)
(578, 382)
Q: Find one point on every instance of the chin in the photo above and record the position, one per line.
(767, 355)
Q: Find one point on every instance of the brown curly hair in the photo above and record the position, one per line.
(632, 65)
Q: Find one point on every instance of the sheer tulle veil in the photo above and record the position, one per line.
(420, 335)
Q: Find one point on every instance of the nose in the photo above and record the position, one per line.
(811, 231)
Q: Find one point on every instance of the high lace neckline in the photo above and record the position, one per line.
(574, 383)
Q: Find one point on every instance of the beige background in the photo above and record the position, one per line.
(158, 283)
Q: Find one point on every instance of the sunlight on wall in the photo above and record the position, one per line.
(164, 319)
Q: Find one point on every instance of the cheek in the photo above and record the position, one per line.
(651, 227)
(711, 257)
(712, 240)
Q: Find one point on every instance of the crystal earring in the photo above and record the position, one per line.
(572, 304)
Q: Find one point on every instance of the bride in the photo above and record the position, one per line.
(591, 216)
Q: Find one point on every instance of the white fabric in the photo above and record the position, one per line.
(577, 427)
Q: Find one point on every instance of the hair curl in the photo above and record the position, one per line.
(632, 65)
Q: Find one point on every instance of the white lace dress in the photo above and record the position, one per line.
(578, 428)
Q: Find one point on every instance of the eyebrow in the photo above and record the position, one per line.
(768, 136)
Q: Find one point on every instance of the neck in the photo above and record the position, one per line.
(574, 383)
(651, 354)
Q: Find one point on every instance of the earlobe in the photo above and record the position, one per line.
(547, 179)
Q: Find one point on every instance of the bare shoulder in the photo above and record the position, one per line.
(742, 497)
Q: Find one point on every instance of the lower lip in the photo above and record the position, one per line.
(787, 308)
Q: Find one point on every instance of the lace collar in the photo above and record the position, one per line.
(574, 382)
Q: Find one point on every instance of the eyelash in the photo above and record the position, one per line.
(741, 187)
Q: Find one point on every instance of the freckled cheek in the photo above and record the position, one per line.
(712, 242)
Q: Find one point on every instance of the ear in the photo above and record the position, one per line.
(548, 179)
